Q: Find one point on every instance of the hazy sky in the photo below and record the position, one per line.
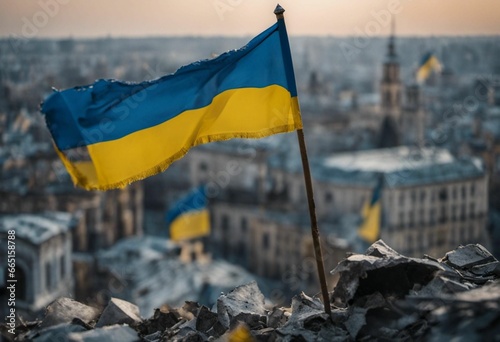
(94, 18)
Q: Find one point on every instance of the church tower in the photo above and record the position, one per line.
(390, 96)
(413, 117)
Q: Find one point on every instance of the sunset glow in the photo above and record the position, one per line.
(92, 18)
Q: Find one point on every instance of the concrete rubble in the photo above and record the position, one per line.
(380, 295)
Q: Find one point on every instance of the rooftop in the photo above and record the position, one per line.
(37, 228)
(400, 166)
(389, 159)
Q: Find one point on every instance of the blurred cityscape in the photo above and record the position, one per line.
(436, 144)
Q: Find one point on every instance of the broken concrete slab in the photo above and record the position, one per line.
(380, 269)
(465, 257)
(304, 307)
(440, 285)
(160, 321)
(113, 333)
(64, 310)
(307, 317)
(473, 263)
(119, 311)
(205, 319)
(276, 318)
(247, 299)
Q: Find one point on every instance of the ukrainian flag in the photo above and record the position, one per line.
(112, 133)
(189, 217)
(370, 228)
(428, 64)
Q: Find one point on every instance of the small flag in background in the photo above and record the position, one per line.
(112, 133)
(428, 64)
(189, 217)
(370, 228)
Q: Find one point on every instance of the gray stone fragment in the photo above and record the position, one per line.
(154, 337)
(264, 335)
(119, 311)
(243, 299)
(251, 320)
(468, 256)
(276, 318)
(441, 285)
(217, 330)
(160, 321)
(187, 334)
(306, 318)
(113, 333)
(64, 310)
(491, 268)
(380, 249)
(355, 321)
(303, 307)
(58, 332)
(205, 319)
(382, 270)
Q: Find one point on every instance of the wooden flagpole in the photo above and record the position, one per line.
(308, 183)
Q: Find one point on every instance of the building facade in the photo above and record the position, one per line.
(43, 266)
(431, 201)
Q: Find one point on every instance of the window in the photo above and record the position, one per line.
(444, 216)
(388, 97)
(411, 219)
(422, 196)
(225, 234)
(462, 212)
(244, 225)
(454, 213)
(454, 192)
(203, 166)
(224, 224)
(402, 219)
(472, 189)
(472, 211)
(413, 196)
(433, 217)
(464, 192)
(402, 199)
(48, 277)
(62, 267)
(265, 241)
(443, 194)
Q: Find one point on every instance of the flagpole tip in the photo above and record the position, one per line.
(278, 11)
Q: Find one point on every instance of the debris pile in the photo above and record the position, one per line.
(380, 295)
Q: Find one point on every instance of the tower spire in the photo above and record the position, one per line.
(391, 47)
